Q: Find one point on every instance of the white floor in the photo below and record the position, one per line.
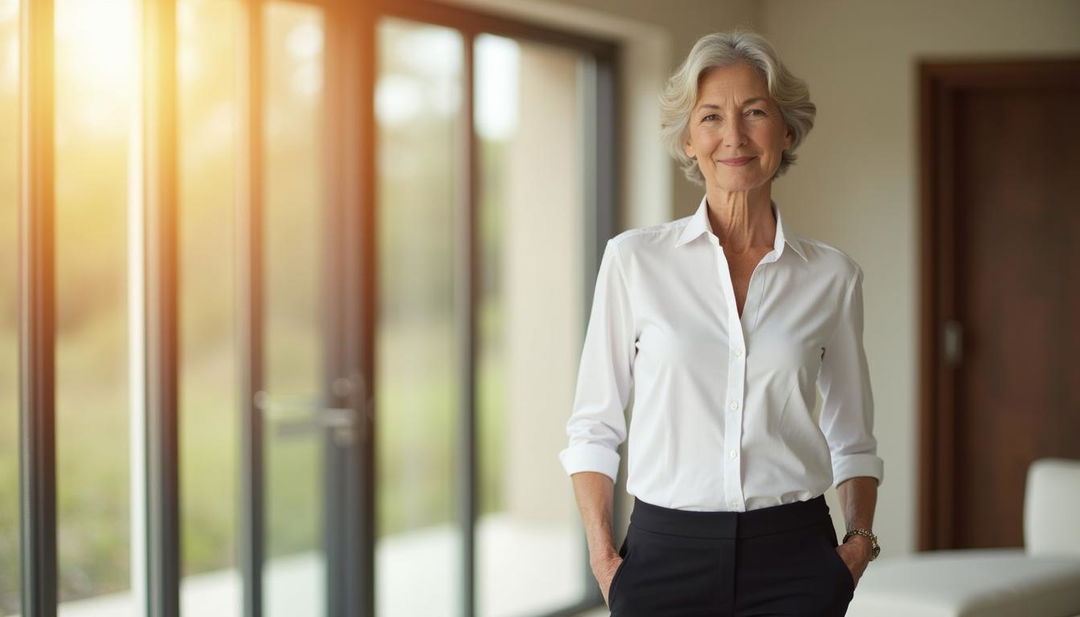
(522, 569)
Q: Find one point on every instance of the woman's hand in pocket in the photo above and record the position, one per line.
(604, 570)
(855, 554)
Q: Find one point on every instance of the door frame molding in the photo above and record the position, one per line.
(940, 84)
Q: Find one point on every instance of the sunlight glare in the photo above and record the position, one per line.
(9, 65)
(9, 10)
(97, 40)
(9, 69)
(497, 63)
(398, 99)
(305, 41)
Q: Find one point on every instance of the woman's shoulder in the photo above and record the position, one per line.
(827, 257)
(658, 235)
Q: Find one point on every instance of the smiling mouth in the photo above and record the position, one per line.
(739, 162)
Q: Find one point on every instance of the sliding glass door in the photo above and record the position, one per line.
(321, 275)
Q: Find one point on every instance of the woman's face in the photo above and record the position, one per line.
(736, 129)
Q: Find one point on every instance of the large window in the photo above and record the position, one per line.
(384, 221)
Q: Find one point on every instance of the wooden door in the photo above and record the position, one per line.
(1001, 291)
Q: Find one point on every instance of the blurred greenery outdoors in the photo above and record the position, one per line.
(417, 374)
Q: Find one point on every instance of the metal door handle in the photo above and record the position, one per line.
(286, 416)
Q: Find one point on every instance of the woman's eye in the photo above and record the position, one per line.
(710, 117)
(756, 112)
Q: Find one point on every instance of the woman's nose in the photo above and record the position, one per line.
(733, 133)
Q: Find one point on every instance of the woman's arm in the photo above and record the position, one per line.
(597, 424)
(595, 494)
(858, 500)
(847, 408)
(847, 421)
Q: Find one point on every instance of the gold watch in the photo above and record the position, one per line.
(866, 533)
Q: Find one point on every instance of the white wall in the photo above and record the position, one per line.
(856, 183)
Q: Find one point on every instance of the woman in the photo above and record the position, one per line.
(723, 323)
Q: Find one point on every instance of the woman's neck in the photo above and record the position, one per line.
(743, 221)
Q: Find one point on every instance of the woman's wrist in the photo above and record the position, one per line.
(602, 555)
(863, 544)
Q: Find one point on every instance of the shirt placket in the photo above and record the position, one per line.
(734, 396)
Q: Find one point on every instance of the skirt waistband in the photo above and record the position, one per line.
(760, 522)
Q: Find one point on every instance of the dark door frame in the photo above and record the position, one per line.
(940, 333)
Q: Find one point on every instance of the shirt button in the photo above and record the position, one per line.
(733, 504)
(733, 453)
(733, 406)
(738, 352)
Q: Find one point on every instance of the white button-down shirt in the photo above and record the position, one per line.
(723, 406)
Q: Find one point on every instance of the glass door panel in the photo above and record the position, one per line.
(293, 262)
(529, 129)
(209, 381)
(418, 553)
(95, 70)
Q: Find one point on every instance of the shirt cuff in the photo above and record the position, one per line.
(589, 457)
(853, 465)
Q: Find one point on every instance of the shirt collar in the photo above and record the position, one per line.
(699, 224)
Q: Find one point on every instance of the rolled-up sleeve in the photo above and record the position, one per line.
(847, 411)
(597, 423)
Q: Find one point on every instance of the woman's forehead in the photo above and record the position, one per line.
(739, 81)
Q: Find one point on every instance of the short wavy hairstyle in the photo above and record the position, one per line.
(722, 49)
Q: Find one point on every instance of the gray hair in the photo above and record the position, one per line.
(722, 49)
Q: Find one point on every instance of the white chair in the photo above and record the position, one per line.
(1040, 580)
